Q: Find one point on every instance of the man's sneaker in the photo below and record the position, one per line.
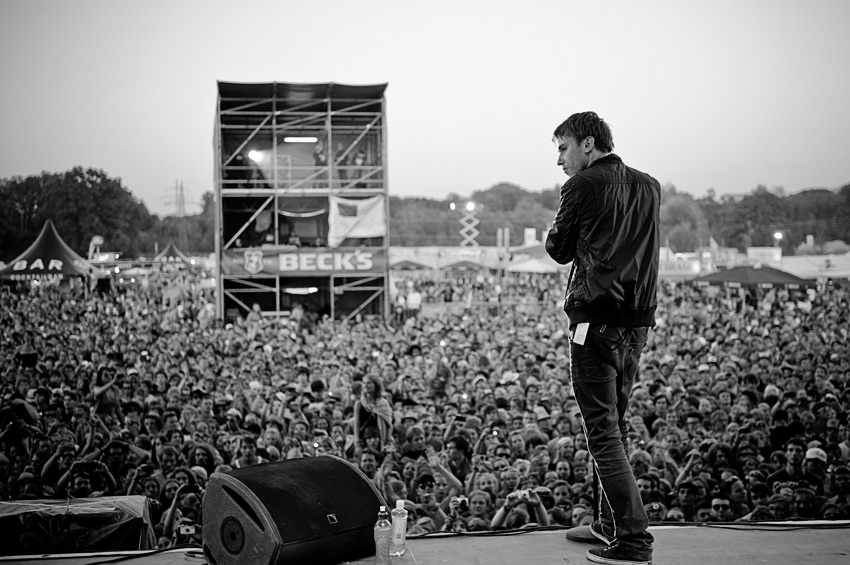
(618, 554)
(599, 532)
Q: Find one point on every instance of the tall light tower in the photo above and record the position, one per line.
(468, 231)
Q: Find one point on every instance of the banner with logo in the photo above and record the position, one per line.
(301, 262)
(678, 269)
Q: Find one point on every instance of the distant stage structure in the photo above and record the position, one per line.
(301, 188)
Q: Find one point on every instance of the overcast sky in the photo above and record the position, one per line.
(722, 94)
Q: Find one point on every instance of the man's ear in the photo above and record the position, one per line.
(588, 144)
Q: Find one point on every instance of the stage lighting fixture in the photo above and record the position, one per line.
(303, 291)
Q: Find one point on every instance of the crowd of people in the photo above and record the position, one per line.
(739, 413)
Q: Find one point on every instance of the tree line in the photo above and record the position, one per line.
(84, 202)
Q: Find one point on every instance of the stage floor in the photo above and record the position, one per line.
(797, 543)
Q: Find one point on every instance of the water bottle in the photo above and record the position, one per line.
(399, 541)
(383, 537)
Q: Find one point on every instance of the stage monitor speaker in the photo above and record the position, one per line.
(310, 510)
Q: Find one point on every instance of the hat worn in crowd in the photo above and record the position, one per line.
(816, 453)
(509, 377)
(200, 472)
(478, 379)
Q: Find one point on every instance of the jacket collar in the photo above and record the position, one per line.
(609, 158)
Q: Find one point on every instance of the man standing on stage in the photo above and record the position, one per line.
(607, 225)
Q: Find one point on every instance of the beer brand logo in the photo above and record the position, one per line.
(254, 261)
(326, 261)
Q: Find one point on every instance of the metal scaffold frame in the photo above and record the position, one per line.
(290, 160)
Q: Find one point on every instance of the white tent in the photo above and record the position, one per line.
(534, 266)
(818, 266)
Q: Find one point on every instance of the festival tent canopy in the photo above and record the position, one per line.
(408, 265)
(463, 266)
(48, 256)
(749, 276)
(171, 255)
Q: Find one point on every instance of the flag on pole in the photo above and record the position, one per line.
(350, 217)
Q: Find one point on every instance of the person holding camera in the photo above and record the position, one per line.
(86, 479)
(458, 514)
(139, 478)
(59, 463)
(521, 508)
(428, 505)
(184, 513)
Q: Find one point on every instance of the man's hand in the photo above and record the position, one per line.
(694, 457)
(433, 458)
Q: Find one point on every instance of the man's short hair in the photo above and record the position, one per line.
(796, 441)
(587, 124)
(460, 443)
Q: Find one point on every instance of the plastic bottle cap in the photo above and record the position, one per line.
(399, 503)
(383, 509)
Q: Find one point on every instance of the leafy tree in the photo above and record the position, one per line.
(422, 221)
(502, 197)
(682, 239)
(81, 202)
(683, 222)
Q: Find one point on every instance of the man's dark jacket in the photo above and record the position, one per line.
(607, 224)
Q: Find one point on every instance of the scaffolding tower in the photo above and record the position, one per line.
(301, 187)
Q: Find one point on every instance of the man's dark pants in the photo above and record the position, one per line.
(603, 372)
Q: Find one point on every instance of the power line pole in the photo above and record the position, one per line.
(177, 197)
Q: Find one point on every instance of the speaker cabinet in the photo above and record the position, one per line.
(310, 510)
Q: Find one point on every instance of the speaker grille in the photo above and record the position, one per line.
(232, 535)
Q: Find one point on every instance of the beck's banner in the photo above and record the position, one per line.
(289, 262)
